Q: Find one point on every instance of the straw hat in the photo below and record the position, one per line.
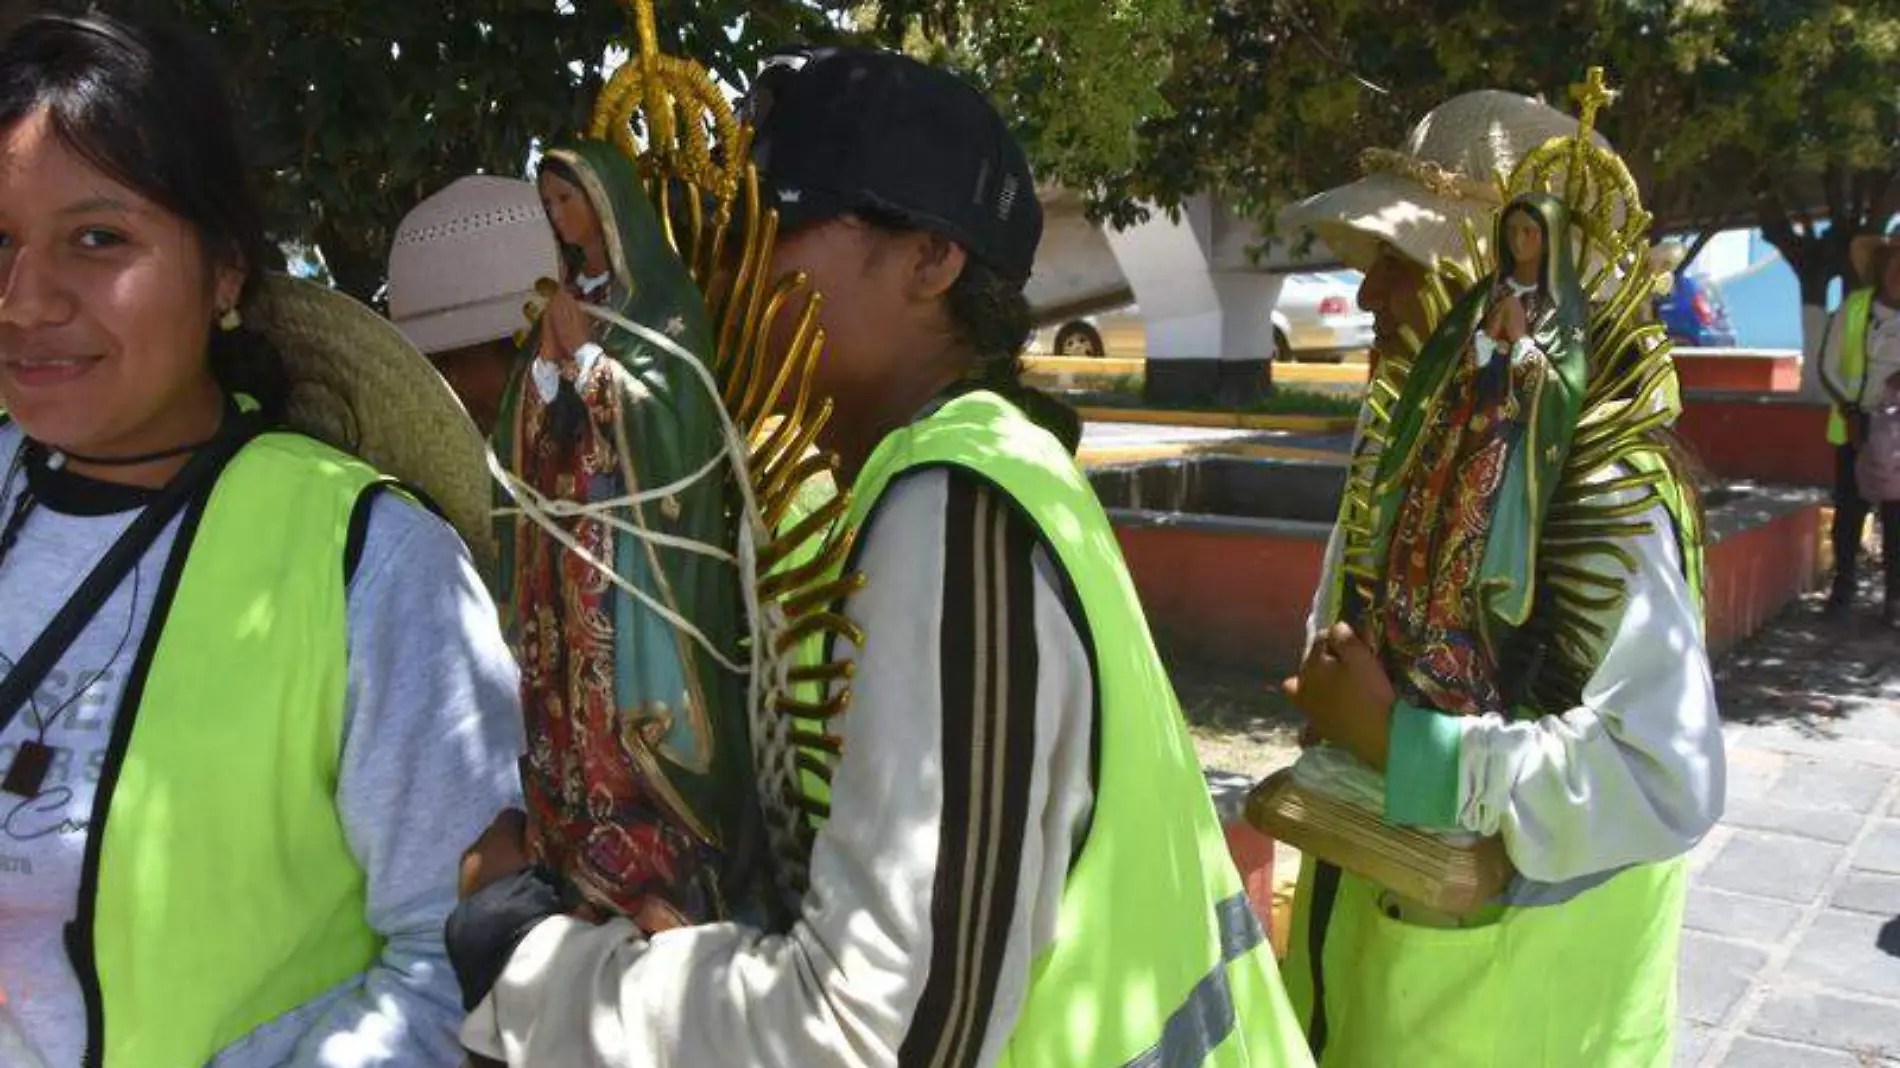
(358, 384)
(1867, 252)
(464, 261)
(1418, 197)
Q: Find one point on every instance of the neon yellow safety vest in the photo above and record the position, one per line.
(1158, 959)
(1590, 982)
(219, 891)
(1856, 314)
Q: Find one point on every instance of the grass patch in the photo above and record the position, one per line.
(1281, 401)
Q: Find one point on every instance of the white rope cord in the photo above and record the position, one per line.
(523, 496)
(680, 485)
(561, 508)
(540, 510)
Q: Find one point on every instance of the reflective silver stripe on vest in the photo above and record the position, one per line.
(1206, 1018)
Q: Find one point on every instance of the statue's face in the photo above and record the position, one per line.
(573, 218)
(1526, 239)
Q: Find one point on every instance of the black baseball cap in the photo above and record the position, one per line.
(846, 130)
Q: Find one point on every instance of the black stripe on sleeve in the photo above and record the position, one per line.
(989, 666)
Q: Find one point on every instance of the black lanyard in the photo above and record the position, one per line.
(196, 477)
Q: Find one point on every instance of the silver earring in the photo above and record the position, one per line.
(230, 320)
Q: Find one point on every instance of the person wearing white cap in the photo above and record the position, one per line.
(462, 266)
(1595, 795)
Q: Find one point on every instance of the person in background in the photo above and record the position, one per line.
(1860, 361)
(254, 698)
(463, 264)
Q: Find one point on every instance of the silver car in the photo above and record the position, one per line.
(1317, 319)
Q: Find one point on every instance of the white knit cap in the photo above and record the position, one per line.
(465, 261)
(1418, 197)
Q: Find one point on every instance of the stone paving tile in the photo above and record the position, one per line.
(1825, 824)
(1870, 892)
(1707, 850)
(1714, 975)
(1753, 773)
(1692, 1041)
(1773, 865)
(1843, 951)
(1872, 719)
(1762, 1053)
(1818, 1018)
(1739, 916)
(1881, 851)
(1832, 784)
(1796, 741)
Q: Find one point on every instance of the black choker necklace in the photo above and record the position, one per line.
(135, 461)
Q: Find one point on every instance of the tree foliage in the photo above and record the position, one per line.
(361, 108)
(1730, 111)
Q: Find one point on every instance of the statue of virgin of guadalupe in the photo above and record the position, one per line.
(1478, 444)
(638, 778)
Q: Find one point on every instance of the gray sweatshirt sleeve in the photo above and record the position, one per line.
(429, 757)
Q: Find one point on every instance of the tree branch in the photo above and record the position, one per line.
(1695, 248)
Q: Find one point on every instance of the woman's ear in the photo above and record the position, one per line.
(227, 285)
(936, 264)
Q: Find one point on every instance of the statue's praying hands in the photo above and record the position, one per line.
(1506, 322)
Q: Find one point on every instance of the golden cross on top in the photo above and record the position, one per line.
(1591, 94)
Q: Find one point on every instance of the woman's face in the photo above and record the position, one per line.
(575, 222)
(1526, 239)
(107, 302)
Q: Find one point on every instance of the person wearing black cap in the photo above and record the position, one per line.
(1021, 865)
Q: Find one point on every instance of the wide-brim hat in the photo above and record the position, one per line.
(358, 384)
(1867, 252)
(1447, 175)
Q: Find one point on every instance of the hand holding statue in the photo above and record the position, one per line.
(1345, 695)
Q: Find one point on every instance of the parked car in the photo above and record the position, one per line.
(1119, 331)
(1695, 314)
(1317, 318)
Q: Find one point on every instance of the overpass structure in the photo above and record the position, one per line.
(1207, 282)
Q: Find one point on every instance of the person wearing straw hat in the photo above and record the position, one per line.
(1595, 757)
(1860, 361)
(254, 696)
(461, 268)
(1414, 204)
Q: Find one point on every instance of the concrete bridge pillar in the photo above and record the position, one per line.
(1208, 314)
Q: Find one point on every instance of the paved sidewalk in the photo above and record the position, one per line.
(1791, 957)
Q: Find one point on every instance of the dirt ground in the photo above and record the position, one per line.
(1240, 720)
